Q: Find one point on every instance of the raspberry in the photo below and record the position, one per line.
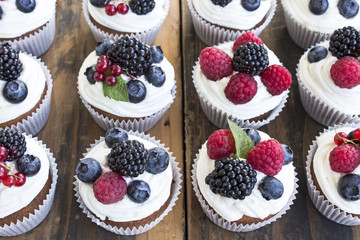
(221, 143)
(344, 158)
(215, 63)
(247, 37)
(241, 88)
(276, 79)
(339, 138)
(345, 72)
(267, 157)
(109, 188)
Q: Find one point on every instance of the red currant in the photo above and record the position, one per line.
(20, 179)
(111, 80)
(116, 70)
(3, 172)
(103, 58)
(339, 138)
(356, 134)
(101, 67)
(3, 153)
(9, 180)
(123, 8)
(110, 10)
(100, 77)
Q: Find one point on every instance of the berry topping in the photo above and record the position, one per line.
(1, 12)
(99, 3)
(246, 37)
(20, 179)
(215, 63)
(3, 171)
(142, 7)
(99, 77)
(355, 136)
(122, 8)
(276, 79)
(102, 66)
(89, 73)
(102, 47)
(88, 170)
(345, 72)
(233, 178)
(344, 158)
(221, 3)
(3, 153)
(254, 135)
(317, 53)
(221, 143)
(10, 64)
(116, 70)
(251, 58)
(345, 42)
(348, 8)
(25, 6)
(28, 165)
(157, 54)
(155, 76)
(138, 191)
(111, 80)
(109, 188)
(241, 88)
(267, 157)
(110, 9)
(14, 142)
(158, 160)
(9, 180)
(349, 187)
(318, 7)
(339, 138)
(250, 5)
(15, 91)
(115, 135)
(288, 154)
(271, 188)
(128, 158)
(136, 91)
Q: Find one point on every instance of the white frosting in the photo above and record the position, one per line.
(12, 199)
(232, 15)
(316, 78)
(34, 78)
(15, 23)
(327, 22)
(156, 97)
(126, 210)
(130, 22)
(326, 177)
(254, 205)
(213, 91)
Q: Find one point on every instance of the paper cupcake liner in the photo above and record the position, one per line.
(232, 226)
(147, 36)
(35, 219)
(174, 194)
(325, 207)
(211, 34)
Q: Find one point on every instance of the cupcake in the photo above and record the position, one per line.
(128, 94)
(136, 18)
(130, 194)
(310, 22)
(333, 173)
(218, 21)
(28, 174)
(229, 86)
(244, 179)
(329, 79)
(37, 35)
(25, 84)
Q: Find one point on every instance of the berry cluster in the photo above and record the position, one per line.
(106, 71)
(121, 8)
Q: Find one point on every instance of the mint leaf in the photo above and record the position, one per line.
(243, 142)
(118, 92)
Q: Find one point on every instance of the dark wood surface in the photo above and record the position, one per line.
(184, 128)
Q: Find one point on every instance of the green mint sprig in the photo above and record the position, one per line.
(243, 142)
(118, 92)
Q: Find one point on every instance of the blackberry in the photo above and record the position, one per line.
(10, 64)
(131, 54)
(251, 58)
(233, 178)
(345, 42)
(15, 143)
(221, 3)
(142, 7)
(128, 158)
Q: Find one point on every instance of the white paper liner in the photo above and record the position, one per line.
(147, 36)
(325, 207)
(211, 34)
(35, 219)
(232, 226)
(36, 121)
(173, 195)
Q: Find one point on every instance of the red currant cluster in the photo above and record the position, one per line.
(342, 138)
(111, 9)
(18, 179)
(106, 71)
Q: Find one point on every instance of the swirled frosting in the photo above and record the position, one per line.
(316, 78)
(12, 199)
(254, 205)
(327, 178)
(126, 210)
(34, 78)
(15, 23)
(327, 22)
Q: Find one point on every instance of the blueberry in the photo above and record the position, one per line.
(1, 12)
(15, 91)
(136, 91)
(26, 6)
(157, 161)
(250, 5)
(28, 165)
(288, 154)
(348, 8)
(115, 135)
(157, 54)
(138, 191)
(318, 7)
(102, 47)
(156, 76)
(89, 73)
(271, 188)
(253, 134)
(88, 170)
(99, 3)
(317, 53)
(349, 187)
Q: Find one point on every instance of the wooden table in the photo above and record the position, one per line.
(184, 128)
